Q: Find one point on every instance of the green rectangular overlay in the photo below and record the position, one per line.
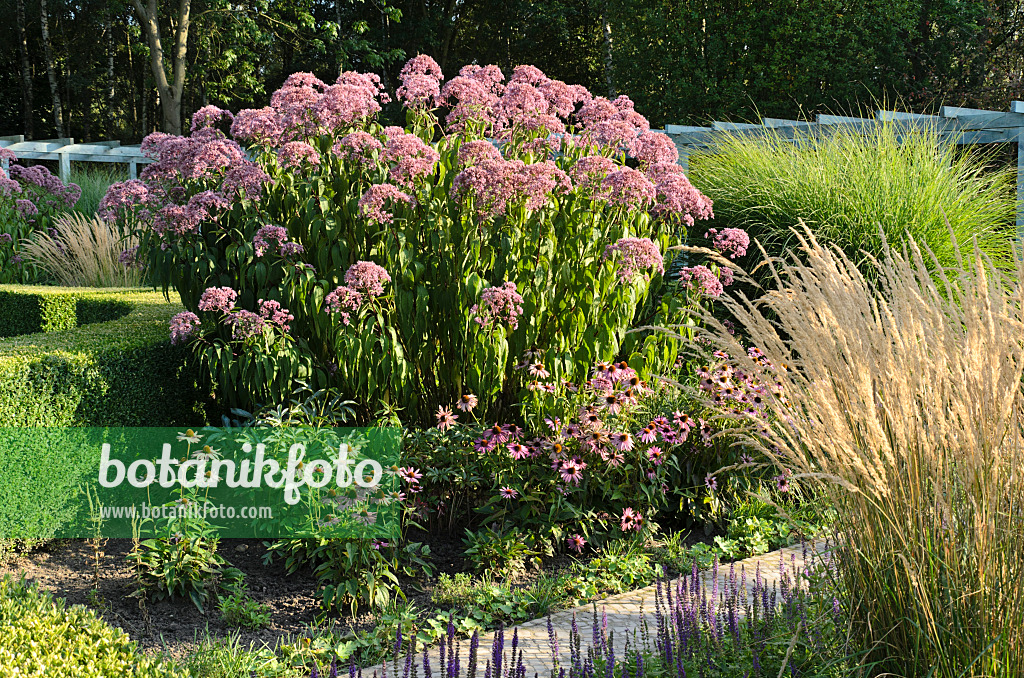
(274, 482)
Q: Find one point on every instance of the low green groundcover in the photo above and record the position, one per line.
(98, 358)
(42, 636)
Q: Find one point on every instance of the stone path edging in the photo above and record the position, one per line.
(625, 613)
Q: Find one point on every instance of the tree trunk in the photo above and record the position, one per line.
(26, 71)
(339, 50)
(111, 125)
(169, 91)
(51, 73)
(131, 84)
(609, 61)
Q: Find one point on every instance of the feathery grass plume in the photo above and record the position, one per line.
(900, 392)
(84, 252)
(847, 183)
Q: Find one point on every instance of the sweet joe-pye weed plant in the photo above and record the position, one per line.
(413, 266)
(901, 398)
(29, 198)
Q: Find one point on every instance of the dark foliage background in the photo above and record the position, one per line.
(682, 61)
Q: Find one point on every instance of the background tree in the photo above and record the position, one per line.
(682, 61)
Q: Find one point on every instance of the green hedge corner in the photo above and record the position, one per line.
(95, 358)
(41, 635)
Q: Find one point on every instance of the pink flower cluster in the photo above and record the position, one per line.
(358, 147)
(218, 299)
(209, 116)
(305, 106)
(367, 278)
(629, 188)
(411, 158)
(654, 147)
(732, 242)
(184, 326)
(8, 186)
(676, 196)
(124, 196)
(275, 314)
(203, 155)
(372, 203)
(274, 237)
(343, 300)
(244, 324)
(635, 256)
(496, 184)
(25, 208)
(701, 279)
(600, 110)
(54, 192)
(589, 174)
(498, 306)
(364, 280)
(296, 154)
(475, 152)
(249, 178)
(421, 83)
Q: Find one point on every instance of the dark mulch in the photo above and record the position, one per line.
(66, 568)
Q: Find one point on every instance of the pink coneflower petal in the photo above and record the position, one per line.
(538, 370)
(467, 402)
(409, 474)
(576, 543)
(445, 418)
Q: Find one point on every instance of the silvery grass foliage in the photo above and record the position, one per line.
(901, 396)
(847, 184)
(83, 251)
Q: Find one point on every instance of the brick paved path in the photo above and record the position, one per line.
(625, 613)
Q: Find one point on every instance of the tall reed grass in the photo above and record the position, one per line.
(847, 186)
(94, 183)
(84, 252)
(901, 395)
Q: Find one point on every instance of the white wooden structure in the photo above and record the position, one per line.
(64, 151)
(953, 124)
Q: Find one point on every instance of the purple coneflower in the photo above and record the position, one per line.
(445, 418)
(409, 474)
(576, 543)
(467, 402)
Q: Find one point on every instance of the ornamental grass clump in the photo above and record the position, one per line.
(851, 186)
(81, 251)
(900, 392)
(502, 220)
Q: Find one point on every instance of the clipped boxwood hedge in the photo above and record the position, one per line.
(28, 309)
(42, 636)
(121, 372)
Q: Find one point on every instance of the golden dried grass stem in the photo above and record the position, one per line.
(84, 253)
(902, 394)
